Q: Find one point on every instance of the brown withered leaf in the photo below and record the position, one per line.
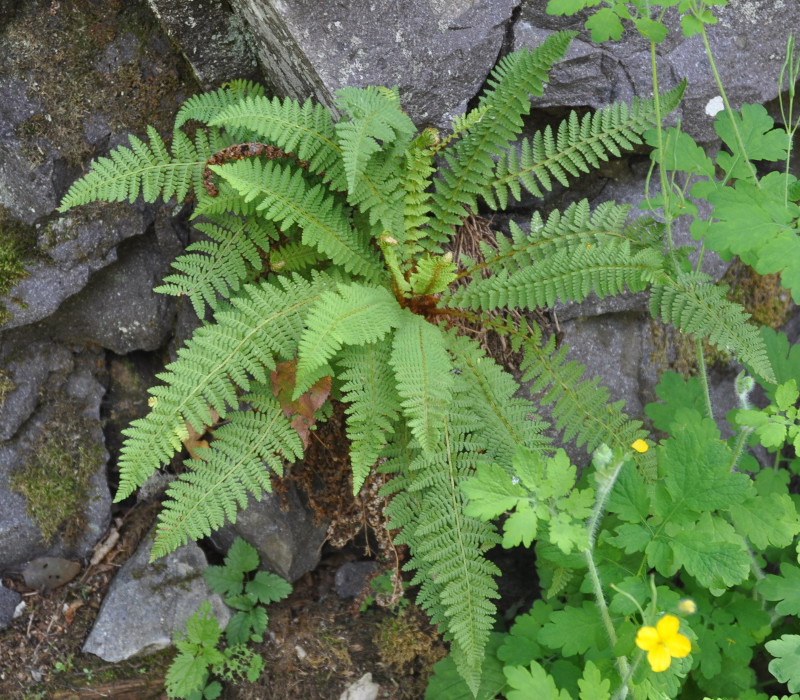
(195, 438)
(71, 609)
(303, 408)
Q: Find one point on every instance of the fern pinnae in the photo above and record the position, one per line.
(579, 144)
(214, 268)
(373, 405)
(576, 226)
(353, 314)
(374, 123)
(306, 130)
(447, 546)
(566, 275)
(284, 196)
(581, 407)
(217, 483)
(206, 106)
(147, 169)
(506, 422)
(470, 160)
(695, 306)
(264, 321)
(424, 381)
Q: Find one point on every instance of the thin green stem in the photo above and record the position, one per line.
(597, 587)
(662, 170)
(728, 109)
(703, 374)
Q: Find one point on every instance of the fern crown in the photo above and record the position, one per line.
(330, 245)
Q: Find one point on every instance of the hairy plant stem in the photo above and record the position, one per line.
(701, 370)
(597, 587)
(605, 484)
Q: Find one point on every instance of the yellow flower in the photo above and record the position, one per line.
(662, 642)
(687, 606)
(640, 445)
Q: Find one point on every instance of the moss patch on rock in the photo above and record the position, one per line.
(6, 386)
(17, 246)
(92, 65)
(56, 476)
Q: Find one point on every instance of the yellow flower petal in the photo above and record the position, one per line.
(668, 626)
(659, 658)
(647, 638)
(678, 646)
(640, 445)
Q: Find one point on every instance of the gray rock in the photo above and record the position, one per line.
(47, 573)
(288, 541)
(118, 309)
(67, 94)
(8, 603)
(147, 602)
(213, 39)
(26, 361)
(54, 499)
(612, 347)
(70, 249)
(350, 577)
(596, 75)
(363, 689)
(438, 53)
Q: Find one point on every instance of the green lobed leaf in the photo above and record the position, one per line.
(696, 468)
(593, 686)
(532, 683)
(784, 588)
(242, 556)
(574, 630)
(786, 664)
(268, 587)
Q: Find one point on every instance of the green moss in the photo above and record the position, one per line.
(17, 246)
(57, 54)
(6, 386)
(56, 476)
(762, 296)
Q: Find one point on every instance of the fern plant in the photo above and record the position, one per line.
(330, 244)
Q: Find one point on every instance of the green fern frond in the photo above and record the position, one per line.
(379, 195)
(567, 275)
(284, 195)
(265, 321)
(238, 462)
(422, 369)
(293, 257)
(694, 306)
(505, 421)
(213, 269)
(462, 123)
(373, 405)
(457, 583)
(577, 226)
(580, 407)
(207, 106)
(433, 274)
(416, 183)
(305, 130)
(470, 161)
(578, 145)
(375, 124)
(353, 314)
(149, 169)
